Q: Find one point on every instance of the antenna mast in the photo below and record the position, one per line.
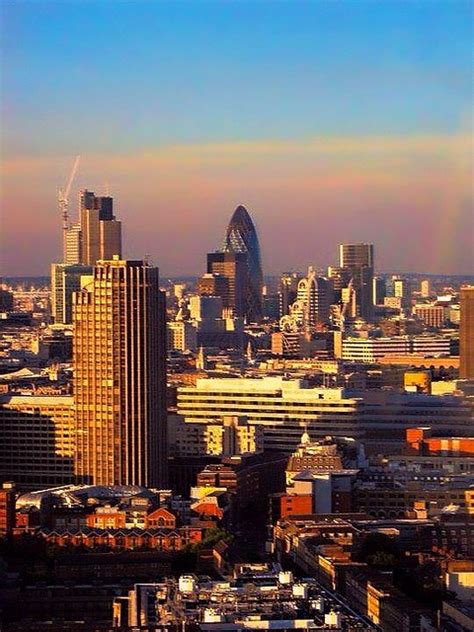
(63, 203)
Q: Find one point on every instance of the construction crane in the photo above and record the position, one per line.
(345, 306)
(63, 202)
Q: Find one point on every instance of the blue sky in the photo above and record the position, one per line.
(113, 78)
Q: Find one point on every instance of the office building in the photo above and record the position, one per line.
(285, 407)
(356, 270)
(425, 288)
(287, 291)
(233, 266)
(205, 308)
(241, 237)
(379, 290)
(213, 285)
(466, 334)
(356, 255)
(227, 437)
(37, 434)
(314, 295)
(120, 376)
(182, 335)
(434, 316)
(101, 232)
(370, 350)
(65, 280)
(402, 289)
(73, 244)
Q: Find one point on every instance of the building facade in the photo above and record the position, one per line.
(65, 280)
(37, 438)
(120, 376)
(466, 334)
(101, 232)
(241, 236)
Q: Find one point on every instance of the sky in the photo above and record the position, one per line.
(331, 121)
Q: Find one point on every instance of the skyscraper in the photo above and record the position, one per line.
(357, 261)
(379, 290)
(466, 334)
(73, 245)
(233, 266)
(65, 280)
(120, 376)
(101, 233)
(241, 237)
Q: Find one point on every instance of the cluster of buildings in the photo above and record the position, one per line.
(137, 418)
(255, 597)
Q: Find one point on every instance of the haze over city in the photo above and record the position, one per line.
(184, 110)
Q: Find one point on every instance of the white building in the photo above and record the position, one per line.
(285, 407)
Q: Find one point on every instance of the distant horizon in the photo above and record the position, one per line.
(331, 122)
(184, 277)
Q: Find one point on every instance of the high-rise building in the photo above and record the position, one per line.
(379, 290)
(101, 233)
(287, 290)
(466, 333)
(120, 376)
(357, 262)
(356, 255)
(65, 280)
(73, 245)
(241, 237)
(232, 266)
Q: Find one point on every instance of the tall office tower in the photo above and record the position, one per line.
(466, 334)
(101, 232)
(287, 290)
(233, 266)
(120, 376)
(356, 255)
(65, 280)
(358, 261)
(73, 245)
(379, 290)
(241, 237)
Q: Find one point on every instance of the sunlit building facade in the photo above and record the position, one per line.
(120, 376)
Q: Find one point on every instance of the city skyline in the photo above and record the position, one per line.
(327, 140)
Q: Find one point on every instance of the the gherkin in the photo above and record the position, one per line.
(241, 236)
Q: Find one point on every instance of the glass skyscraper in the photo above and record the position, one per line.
(241, 236)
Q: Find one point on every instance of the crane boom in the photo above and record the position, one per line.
(71, 176)
(63, 201)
